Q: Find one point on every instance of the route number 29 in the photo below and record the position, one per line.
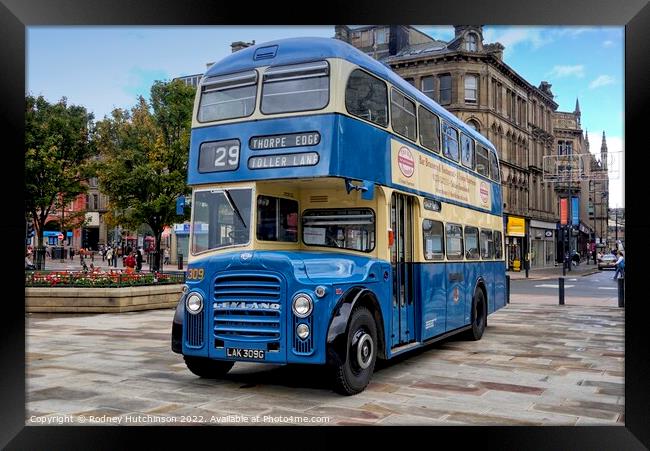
(226, 156)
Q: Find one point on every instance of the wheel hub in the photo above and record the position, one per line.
(364, 351)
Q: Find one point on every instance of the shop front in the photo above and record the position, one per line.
(542, 244)
(180, 242)
(516, 242)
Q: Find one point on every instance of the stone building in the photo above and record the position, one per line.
(470, 79)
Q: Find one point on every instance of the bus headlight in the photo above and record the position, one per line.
(194, 303)
(302, 305)
(302, 331)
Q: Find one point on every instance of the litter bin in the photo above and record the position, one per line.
(180, 261)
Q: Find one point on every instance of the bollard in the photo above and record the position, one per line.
(507, 288)
(561, 285)
(564, 268)
(180, 261)
(621, 292)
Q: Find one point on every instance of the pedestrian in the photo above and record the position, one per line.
(138, 259)
(593, 251)
(29, 264)
(71, 253)
(109, 255)
(166, 254)
(129, 262)
(620, 266)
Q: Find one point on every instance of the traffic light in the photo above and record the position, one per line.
(84, 238)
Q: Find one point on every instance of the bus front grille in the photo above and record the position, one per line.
(247, 307)
(194, 329)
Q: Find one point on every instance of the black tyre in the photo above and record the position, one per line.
(479, 315)
(207, 368)
(353, 375)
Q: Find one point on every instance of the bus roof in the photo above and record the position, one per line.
(294, 50)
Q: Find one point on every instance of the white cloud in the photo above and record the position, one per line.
(608, 43)
(601, 80)
(567, 71)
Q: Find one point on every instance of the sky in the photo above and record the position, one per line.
(103, 68)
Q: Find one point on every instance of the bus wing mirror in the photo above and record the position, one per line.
(369, 192)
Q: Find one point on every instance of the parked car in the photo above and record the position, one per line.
(607, 261)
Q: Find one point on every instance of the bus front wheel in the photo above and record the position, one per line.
(479, 315)
(353, 375)
(207, 368)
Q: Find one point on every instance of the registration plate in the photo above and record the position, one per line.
(238, 353)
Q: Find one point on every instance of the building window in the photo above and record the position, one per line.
(95, 202)
(471, 44)
(411, 81)
(494, 94)
(403, 115)
(367, 97)
(499, 98)
(427, 87)
(564, 147)
(471, 88)
(382, 36)
(445, 89)
(474, 125)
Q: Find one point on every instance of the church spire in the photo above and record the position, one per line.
(577, 110)
(603, 152)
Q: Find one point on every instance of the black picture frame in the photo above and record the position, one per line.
(16, 15)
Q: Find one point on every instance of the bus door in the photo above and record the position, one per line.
(401, 213)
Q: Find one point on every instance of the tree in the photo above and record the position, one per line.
(143, 165)
(57, 153)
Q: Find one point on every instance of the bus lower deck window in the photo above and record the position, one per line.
(342, 228)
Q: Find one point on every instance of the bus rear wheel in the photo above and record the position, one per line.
(207, 368)
(353, 375)
(479, 315)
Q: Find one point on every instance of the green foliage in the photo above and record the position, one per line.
(57, 151)
(143, 164)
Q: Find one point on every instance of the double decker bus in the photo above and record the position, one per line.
(339, 216)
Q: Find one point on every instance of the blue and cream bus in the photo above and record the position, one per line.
(339, 216)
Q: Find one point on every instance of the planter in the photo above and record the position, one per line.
(101, 300)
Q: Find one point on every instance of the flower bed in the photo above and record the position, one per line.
(99, 279)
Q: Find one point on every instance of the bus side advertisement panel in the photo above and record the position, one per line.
(419, 171)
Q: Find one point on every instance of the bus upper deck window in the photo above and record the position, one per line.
(449, 141)
(367, 97)
(482, 163)
(494, 167)
(403, 115)
(296, 87)
(228, 96)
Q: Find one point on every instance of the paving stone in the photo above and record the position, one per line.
(121, 364)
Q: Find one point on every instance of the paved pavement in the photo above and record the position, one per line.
(536, 365)
(583, 269)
